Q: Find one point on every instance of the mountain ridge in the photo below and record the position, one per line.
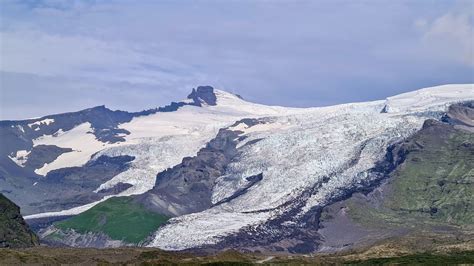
(261, 174)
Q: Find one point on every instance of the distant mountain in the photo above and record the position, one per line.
(215, 171)
(14, 232)
(45, 162)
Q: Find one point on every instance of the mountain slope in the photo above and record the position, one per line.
(431, 191)
(233, 174)
(263, 182)
(307, 161)
(63, 147)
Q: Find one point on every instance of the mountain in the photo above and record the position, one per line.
(214, 172)
(14, 232)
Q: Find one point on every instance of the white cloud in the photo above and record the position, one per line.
(450, 36)
(44, 54)
(302, 53)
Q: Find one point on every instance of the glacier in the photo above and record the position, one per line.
(324, 150)
(332, 147)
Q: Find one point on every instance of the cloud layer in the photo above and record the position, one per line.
(58, 56)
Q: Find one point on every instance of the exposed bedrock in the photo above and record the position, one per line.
(14, 232)
(70, 187)
(187, 187)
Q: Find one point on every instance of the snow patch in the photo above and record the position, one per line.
(80, 139)
(20, 157)
(46, 121)
(21, 128)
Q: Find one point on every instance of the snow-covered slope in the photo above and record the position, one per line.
(324, 151)
(307, 157)
(157, 141)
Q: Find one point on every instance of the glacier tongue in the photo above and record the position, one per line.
(332, 146)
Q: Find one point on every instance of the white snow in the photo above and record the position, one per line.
(427, 99)
(46, 121)
(80, 139)
(72, 211)
(20, 157)
(269, 258)
(21, 128)
(201, 230)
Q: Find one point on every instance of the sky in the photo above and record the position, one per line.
(60, 56)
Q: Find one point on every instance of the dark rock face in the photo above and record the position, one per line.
(460, 114)
(18, 181)
(14, 232)
(187, 187)
(252, 181)
(69, 187)
(203, 94)
(42, 154)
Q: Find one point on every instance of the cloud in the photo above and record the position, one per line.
(296, 53)
(450, 36)
(44, 54)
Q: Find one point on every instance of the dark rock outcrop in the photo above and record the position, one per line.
(203, 94)
(460, 114)
(187, 187)
(14, 232)
(42, 154)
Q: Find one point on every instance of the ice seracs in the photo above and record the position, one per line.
(325, 150)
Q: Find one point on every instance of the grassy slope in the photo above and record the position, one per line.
(437, 181)
(434, 186)
(119, 218)
(466, 257)
(53, 256)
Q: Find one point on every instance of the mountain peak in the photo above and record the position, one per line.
(203, 94)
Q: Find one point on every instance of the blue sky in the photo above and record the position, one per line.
(58, 56)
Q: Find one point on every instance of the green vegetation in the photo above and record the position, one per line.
(147, 256)
(434, 186)
(119, 218)
(421, 259)
(436, 181)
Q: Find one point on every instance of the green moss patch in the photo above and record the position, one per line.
(119, 218)
(433, 187)
(437, 181)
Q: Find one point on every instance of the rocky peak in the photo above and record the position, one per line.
(203, 94)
